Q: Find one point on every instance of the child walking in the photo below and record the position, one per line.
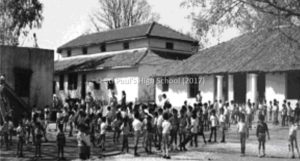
(293, 137)
(242, 128)
(261, 132)
(61, 141)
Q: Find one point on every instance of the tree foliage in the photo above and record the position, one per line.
(243, 14)
(121, 13)
(18, 17)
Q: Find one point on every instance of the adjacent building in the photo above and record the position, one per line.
(116, 60)
(255, 66)
(28, 78)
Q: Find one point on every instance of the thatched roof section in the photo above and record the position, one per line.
(108, 60)
(267, 50)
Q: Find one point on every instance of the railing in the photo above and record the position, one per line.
(10, 101)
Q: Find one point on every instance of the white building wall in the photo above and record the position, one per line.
(206, 86)
(275, 87)
(125, 79)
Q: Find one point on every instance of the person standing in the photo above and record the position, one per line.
(113, 103)
(137, 128)
(89, 100)
(213, 128)
(21, 139)
(243, 130)
(123, 100)
(293, 138)
(61, 141)
(166, 128)
(270, 111)
(261, 132)
(222, 124)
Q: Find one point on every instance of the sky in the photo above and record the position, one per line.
(65, 20)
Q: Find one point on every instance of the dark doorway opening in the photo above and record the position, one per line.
(261, 86)
(22, 81)
(293, 85)
(83, 86)
(239, 88)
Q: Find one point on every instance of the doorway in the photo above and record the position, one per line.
(239, 87)
(261, 86)
(83, 86)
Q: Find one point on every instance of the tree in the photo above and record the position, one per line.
(18, 17)
(121, 13)
(243, 14)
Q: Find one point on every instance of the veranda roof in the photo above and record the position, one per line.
(267, 50)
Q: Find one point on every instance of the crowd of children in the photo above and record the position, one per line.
(155, 126)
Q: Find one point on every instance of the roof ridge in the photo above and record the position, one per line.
(117, 29)
(150, 28)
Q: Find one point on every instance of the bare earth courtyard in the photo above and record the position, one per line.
(277, 149)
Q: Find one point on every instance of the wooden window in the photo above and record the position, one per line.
(293, 85)
(169, 45)
(72, 81)
(69, 53)
(193, 86)
(61, 82)
(165, 84)
(22, 81)
(84, 50)
(111, 85)
(103, 47)
(126, 45)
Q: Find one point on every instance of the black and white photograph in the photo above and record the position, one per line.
(149, 80)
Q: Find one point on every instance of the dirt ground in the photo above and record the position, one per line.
(277, 149)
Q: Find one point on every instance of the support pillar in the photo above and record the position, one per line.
(230, 88)
(252, 91)
(219, 87)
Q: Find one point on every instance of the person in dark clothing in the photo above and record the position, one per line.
(61, 141)
(261, 132)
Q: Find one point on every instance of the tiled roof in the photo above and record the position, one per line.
(267, 50)
(108, 60)
(151, 29)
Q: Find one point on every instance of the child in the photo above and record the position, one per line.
(223, 124)
(293, 137)
(183, 122)
(159, 128)
(166, 128)
(149, 134)
(61, 141)
(243, 132)
(38, 139)
(175, 127)
(21, 139)
(125, 128)
(103, 128)
(261, 131)
(5, 134)
(137, 127)
(213, 123)
(194, 128)
(116, 125)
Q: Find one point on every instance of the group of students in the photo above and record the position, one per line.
(155, 126)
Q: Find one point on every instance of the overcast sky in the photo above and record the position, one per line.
(66, 19)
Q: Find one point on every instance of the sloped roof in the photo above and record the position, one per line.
(117, 59)
(267, 50)
(151, 29)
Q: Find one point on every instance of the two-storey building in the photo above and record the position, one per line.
(121, 59)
